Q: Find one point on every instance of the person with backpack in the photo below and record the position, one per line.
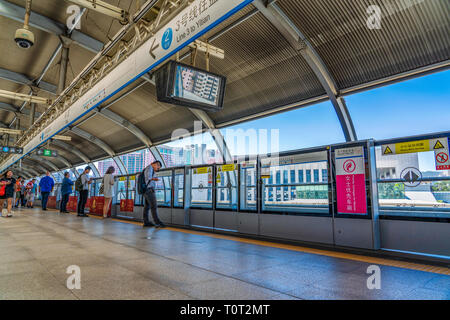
(146, 187)
(45, 188)
(66, 190)
(7, 186)
(82, 186)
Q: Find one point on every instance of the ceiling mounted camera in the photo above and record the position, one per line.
(24, 37)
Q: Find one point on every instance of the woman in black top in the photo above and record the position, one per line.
(10, 183)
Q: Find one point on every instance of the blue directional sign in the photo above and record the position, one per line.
(12, 150)
(167, 38)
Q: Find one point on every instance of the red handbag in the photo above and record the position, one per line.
(2, 190)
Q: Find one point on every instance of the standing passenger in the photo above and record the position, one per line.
(84, 191)
(18, 190)
(66, 190)
(108, 184)
(150, 195)
(31, 192)
(7, 185)
(45, 187)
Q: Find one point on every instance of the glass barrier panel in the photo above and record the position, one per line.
(179, 189)
(248, 186)
(163, 188)
(139, 199)
(201, 190)
(131, 194)
(411, 185)
(121, 189)
(226, 186)
(297, 183)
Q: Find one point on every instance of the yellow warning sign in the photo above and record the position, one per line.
(228, 167)
(202, 170)
(387, 151)
(123, 179)
(412, 146)
(218, 178)
(438, 146)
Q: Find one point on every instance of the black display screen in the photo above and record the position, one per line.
(184, 85)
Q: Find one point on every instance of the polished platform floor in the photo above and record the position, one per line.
(124, 261)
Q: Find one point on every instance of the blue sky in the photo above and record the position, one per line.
(413, 107)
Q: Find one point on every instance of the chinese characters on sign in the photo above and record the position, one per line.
(351, 181)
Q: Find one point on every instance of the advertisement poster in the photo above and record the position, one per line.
(51, 202)
(126, 205)
(350, 181)
(72, 204)
(96, 206)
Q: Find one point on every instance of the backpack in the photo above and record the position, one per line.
(79, 184)
(141, 185)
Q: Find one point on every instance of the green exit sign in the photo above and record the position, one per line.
(47, 153)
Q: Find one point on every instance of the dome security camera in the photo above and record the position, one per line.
(24, 38)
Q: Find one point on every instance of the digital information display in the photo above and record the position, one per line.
(13, 150)
(183, 85)
(196, 86)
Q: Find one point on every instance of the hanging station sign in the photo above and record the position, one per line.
(11, 150)
(351, 181)
(199, 17)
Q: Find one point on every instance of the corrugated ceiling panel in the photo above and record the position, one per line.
(155, 119)
(88, 148)
(413, 34)
(109, 132)
(263, 71)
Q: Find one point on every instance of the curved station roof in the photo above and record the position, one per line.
(279, 56)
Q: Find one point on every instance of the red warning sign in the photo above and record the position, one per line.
(442, 161)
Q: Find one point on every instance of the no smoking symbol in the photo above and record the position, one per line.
(442, 157)
(349, 166)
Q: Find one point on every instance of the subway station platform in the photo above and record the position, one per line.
(121, 260)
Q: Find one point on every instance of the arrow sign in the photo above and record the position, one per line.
(153, 47)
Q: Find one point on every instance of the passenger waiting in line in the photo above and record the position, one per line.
(23, 191)
(150, 195)
(45, 187)
(66, 190)
(31, 192)
(18, 192)
(107, 185)
(7, 185)
(82, 186)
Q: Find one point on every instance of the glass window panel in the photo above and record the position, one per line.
(102, 166)
(282, 132)
(121, 189)
(201, 191)
(137, 161)
(179, 188)
(248, 186)
(164, 188)
(413, 107)
(427, 195)
(295, 195)
(226, 188)
(197, 150)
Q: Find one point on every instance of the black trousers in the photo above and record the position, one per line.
(44, 199)
(82, 201)
(64, 200)
(151, 203)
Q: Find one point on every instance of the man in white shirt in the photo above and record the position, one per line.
(150, 196)
(84, 195)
